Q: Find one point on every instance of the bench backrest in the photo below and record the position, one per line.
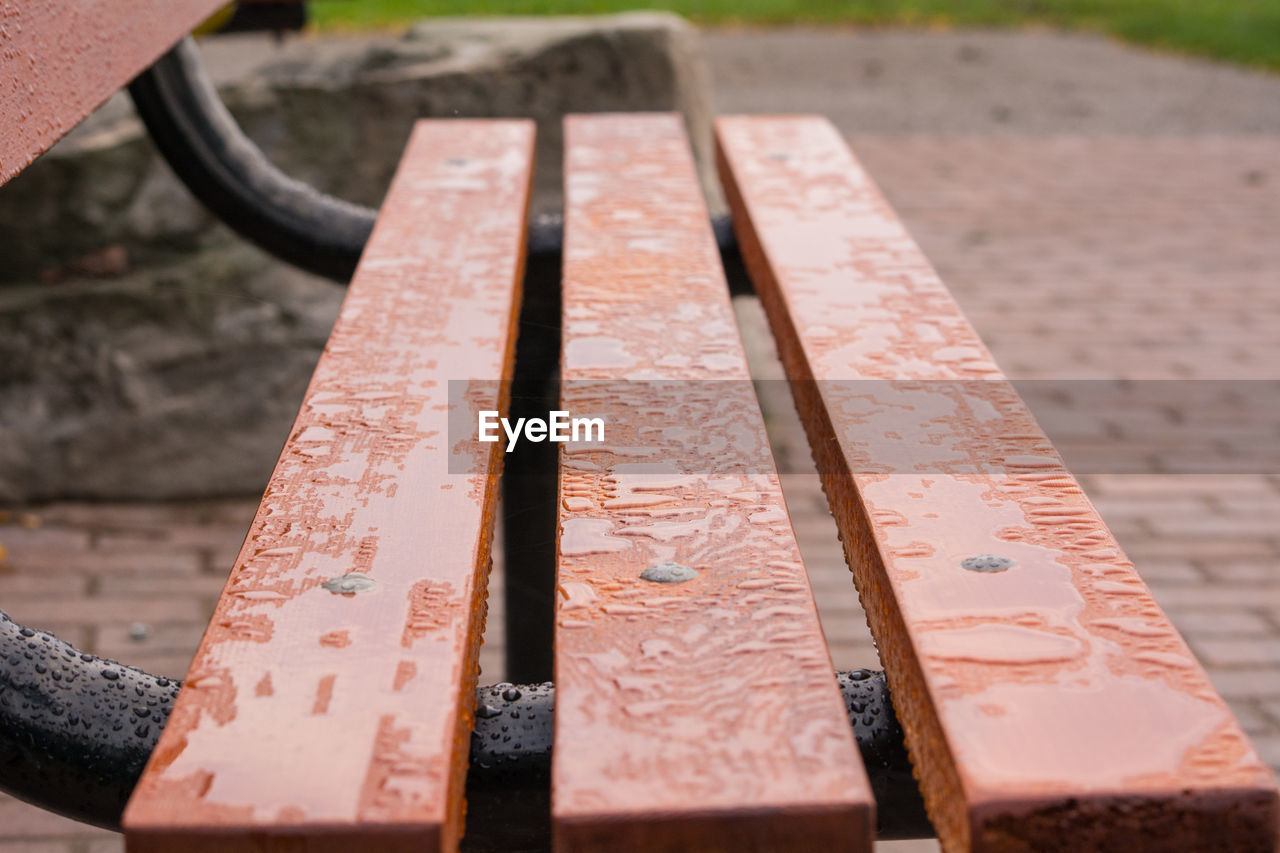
(60, 59)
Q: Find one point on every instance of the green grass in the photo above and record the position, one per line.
(1242, 31)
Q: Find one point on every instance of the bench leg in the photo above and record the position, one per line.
(529, 484)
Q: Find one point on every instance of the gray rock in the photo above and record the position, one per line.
(161, 357)
(174, 382)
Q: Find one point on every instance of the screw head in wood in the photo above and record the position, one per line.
(668, 572)
(986, 563)
(350, 584)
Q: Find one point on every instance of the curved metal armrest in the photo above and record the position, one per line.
(224, 169)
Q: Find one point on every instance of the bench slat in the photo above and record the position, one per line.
(699, 715)
(60, 59)
(342, 720)
(1050, 705)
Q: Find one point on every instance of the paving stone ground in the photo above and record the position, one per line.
(1112, 247)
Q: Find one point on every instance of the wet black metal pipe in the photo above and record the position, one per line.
(229, 173)
(276, 17)
(76, 732)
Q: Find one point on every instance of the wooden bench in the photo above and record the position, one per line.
(1046, 700)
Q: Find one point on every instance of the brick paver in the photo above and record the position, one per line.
(1152, 257)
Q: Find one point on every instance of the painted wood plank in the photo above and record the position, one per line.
(321, 719)
(695, 715)
(1048, 705)
(60, 59)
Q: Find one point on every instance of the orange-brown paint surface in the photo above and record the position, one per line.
(60, 59)
(317, 719)
(1049, 706)
(699, 715)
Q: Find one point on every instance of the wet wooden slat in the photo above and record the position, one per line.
(59, 59)
(699, 715)
(1050, 705)
(323, 720)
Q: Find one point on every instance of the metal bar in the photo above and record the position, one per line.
(75, 741)
(529, 478)
(508, 789)
(75, 730)
(275, 16)
(223, 168)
